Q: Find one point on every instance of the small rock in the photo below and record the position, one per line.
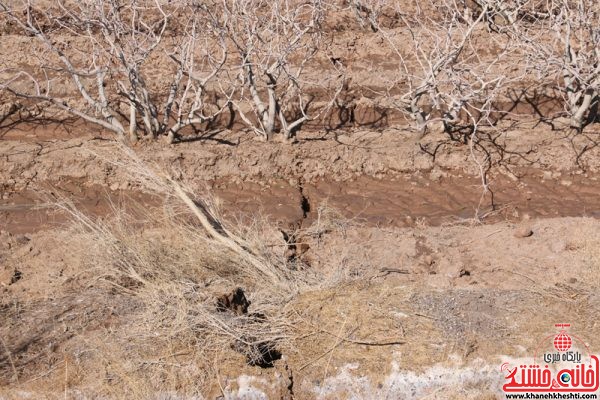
(436, 175)
(22, 239)
(464, 272)
(571, 246)
(547, 175)
(523, 231)
(428, 260)
(572, 280)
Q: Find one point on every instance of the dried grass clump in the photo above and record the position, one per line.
(164, 270)
(173, 271)
(171, 264)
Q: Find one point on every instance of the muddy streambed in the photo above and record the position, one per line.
(401, 201)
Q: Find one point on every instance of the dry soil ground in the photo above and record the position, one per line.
(418, 299)
(393, 291)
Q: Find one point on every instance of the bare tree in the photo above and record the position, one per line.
(274, 41)
(111, 52)
(562, 45)
(453, 67)
(443, 75)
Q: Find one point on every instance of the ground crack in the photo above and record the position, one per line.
(304, 202)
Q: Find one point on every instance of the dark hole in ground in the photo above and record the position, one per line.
(17, 276)
(264, 355)
(235, 301)
(258, 354)
(304, 203)
(261, 354)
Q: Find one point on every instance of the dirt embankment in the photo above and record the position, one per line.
(38, 155)
(389, 177)
(412, 297)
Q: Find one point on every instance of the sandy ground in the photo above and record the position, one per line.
(432, 301)
(37, 155)
(414, 297)
(427, 311)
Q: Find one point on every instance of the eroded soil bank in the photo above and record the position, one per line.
(432, 199)
(390, 177)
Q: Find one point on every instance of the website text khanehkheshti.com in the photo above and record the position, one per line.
(551, 396)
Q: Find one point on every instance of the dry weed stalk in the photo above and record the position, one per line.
(162, 184)
(173, 270)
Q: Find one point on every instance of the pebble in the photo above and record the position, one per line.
(523, 231)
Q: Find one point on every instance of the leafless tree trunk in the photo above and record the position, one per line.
(368, 12)
(562, 44)
(274, 41)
